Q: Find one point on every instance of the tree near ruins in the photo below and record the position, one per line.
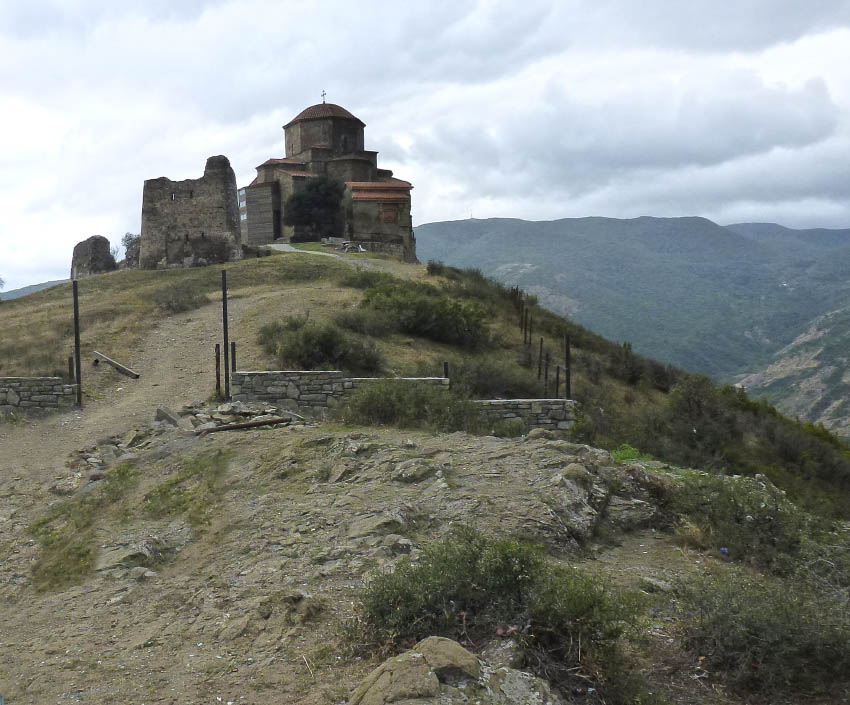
(316, 208)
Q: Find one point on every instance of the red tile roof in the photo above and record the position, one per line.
(392, 183)
(396, 196)
(322, 111)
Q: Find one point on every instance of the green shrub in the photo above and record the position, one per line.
(625, 453)
(466, 586)
(306, 345)
(749, 517)
(410, 405)
(366, 321)
(494, 377)
(770, 634)
(437, 318)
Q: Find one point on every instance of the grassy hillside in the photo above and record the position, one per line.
(284, 563)
(410, 322)
(716, 300)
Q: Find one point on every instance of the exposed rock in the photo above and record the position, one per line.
(439, 671)
(92, 256)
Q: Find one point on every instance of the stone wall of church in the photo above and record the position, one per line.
(195, 221)
(382, 227)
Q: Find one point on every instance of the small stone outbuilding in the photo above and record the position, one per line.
(92, 256)
(191, 222)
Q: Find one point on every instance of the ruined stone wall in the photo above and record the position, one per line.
(35, 394)
(190, 222)
(554, 414)
(312, 391)
(92, 256)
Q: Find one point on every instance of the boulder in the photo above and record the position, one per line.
(440, 671)
(92, 256)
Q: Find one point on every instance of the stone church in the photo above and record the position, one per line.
(327, 140)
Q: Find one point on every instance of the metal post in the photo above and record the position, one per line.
(540, 360)
(557, 381)
(446, 369)
(521, 314)
(530, 327)
(546, 376)
(233, 356)
(218, 369)
(567, 371)
(78, 365)
(71, 368)
(226, 337)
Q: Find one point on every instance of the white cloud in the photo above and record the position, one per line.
(540, 109)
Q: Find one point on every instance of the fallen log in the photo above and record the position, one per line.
(246, 424)
(117, 365)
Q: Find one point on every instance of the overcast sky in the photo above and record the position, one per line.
(538, 109)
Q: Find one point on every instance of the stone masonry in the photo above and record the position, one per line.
(313, 392)
(553, 414)
(191, 222)
(92, 256)
(35, 393)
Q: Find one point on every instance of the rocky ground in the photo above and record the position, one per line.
(244, 602)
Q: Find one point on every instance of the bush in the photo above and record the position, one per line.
(467, 586)
(749, 517)
(367, 322)
(411, 405)
(437, 318)
(308, 345)
(494, 377)
(770, 635)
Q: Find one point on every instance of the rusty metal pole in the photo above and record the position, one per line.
(540, 359)
(567, 370)
(78, 365)
(71, 368)
(226, 337)
(530, 328)
(218, 369)
(557, 381)
(446, 369)
(233, 356)
(546, 375)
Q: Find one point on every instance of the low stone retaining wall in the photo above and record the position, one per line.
(313, 392)
(535, 413)
(307, 390)
(35, 393)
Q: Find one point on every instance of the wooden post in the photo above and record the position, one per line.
(218, 369)
(540, 360)
(233, 356)
(78, 365)
(557, 381)
(521, 314)
(446, 369)
(546, 376)
(226, 337)
(567, 371)
(71, 368)
(530, 327)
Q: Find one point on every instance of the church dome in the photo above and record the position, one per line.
(323, 111)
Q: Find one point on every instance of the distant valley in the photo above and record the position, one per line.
(755, 303)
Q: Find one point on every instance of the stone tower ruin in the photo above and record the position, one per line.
(191, 222)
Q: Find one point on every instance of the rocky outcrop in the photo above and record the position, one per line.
(440, 671)
(92, 256)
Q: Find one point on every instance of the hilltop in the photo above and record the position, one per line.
(145, 563)
(726, 301)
